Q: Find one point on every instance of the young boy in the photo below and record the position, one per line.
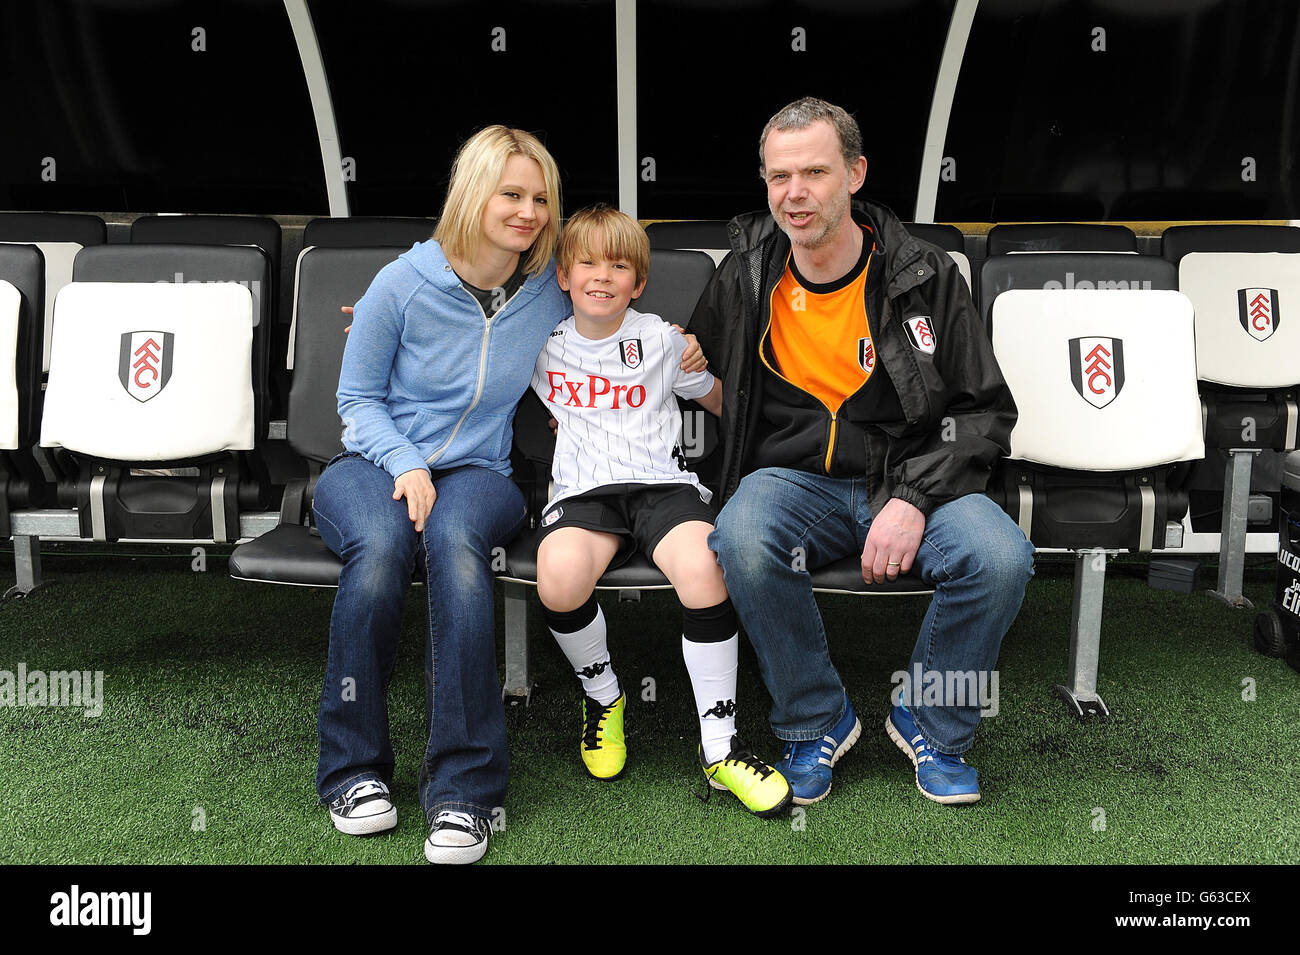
(609, 375)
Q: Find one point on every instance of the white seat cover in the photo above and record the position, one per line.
(11, 301)
(1103, 380)
(1247, 316)
(150, 371)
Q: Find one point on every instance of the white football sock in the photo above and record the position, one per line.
(588, 654)
(712, 668)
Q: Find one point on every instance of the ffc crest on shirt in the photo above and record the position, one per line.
(920, 333)
(1097, 369)
(1259, 312)
(144, 364)
(629, 349)
(866, 355)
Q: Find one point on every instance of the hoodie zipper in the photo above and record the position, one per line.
(482, 368)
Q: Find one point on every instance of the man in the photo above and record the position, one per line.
(862, 411)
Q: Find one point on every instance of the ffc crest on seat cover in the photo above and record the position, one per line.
(144, 364)
(1258, 311)
(1097, 369)
(629, 349)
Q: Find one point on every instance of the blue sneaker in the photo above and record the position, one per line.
(943, 778)
(806, 764)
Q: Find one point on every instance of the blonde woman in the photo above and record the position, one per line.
(441, 350)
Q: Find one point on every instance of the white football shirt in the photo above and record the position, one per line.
(614, 401)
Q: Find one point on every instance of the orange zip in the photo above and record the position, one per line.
(830, 445)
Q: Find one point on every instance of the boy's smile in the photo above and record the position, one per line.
(601, 290)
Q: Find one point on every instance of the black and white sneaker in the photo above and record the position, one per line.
(456, 838)
(364, 809)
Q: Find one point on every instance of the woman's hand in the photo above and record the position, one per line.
(417, 487)
(346, 310)
(693, 359)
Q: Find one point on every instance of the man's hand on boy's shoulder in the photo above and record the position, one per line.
(693, 359)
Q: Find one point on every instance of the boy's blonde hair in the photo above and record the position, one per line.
(601, 232)
(475, 174)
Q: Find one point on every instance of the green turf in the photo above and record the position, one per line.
(206, 748)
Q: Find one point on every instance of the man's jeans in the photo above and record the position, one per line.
(466, 763)
(781, 521)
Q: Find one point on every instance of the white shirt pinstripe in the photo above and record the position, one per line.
(614, 401)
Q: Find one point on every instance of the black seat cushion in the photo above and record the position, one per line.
(290, 554)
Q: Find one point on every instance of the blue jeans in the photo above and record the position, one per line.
(466, 763)
(974, 556)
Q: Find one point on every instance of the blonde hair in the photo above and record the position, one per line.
(604, 233)
(475, 174)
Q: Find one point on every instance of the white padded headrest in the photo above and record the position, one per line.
(1103, 380)
(1247, 316)
(58, 273)
(151, 371)
(11, 302)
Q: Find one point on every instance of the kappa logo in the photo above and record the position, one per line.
(596, 669)
(629, 349)
(866, 355)
(722, 709)
(144, 364)
(1097, 369)
(921, 334)
(1258, 311)
(552, 517)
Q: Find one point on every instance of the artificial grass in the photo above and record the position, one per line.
(206, 748)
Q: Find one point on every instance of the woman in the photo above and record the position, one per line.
(441, 350)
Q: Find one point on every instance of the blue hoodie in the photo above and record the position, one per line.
(427, 380)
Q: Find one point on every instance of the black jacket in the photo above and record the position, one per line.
(957, 410)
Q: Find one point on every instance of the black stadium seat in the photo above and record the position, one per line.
(1060, 237)
(1068, 270)
(327, 278)
(22, 289)
(260, 231)
(59, 236)
(1105, 384)
(1240, 280)
(697, 234)
(357, 232)
(1178, 240)
(38, 227)
(203, 342)
(946, 237)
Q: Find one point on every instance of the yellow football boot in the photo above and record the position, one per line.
(761, 789)
(603, 750)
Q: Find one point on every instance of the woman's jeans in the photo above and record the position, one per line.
(466, 763)
(782, 523)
